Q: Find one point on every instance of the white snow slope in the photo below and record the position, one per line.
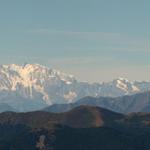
(33, 86)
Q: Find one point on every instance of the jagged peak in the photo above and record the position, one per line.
(31, 68)
(122, 79)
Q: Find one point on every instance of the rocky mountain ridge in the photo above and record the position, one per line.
(33, 86)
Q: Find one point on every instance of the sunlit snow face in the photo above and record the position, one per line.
(39, 84)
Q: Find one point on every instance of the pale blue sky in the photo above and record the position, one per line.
(95, 40)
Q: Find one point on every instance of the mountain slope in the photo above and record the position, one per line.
(80, 117)
(81, 128)
(135, 103)
(89, 117)
(4, 107)
(33, 86)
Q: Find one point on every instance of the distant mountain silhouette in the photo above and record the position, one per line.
(5, 107)
(135, 103)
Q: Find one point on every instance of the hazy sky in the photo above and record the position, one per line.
(95, 40)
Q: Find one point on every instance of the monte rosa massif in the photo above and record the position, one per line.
(33, 86)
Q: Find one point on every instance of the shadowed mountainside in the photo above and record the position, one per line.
(83, 128)
(135, 103)
(5, 107)
(80, 117)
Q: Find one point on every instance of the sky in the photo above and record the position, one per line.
(95, 40)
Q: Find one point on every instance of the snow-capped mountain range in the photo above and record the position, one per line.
(33, 86)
